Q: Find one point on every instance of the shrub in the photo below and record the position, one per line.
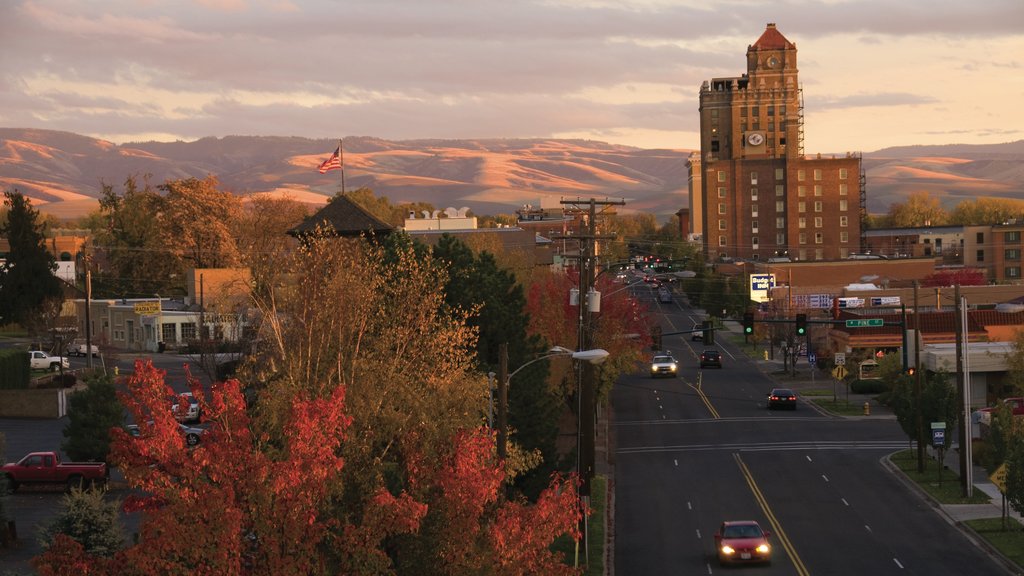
(89, 520)
(868, 387)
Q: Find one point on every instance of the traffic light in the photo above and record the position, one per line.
(748, 323)
(801, 324)
(910, 371)
(709, 333)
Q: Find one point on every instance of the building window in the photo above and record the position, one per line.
(755, 111)
(188, 330)
(819, 237)
(817, 190)
(780, 239)
(844, 236)
(780, 206)
(844, 221)
(817, 174)
(721, 241)
(801, 175)
(753, 211)
(817, 206)
(167, 333)
(817, 221)
(754, 243)
(753, 194)
(801, 191)
(780, 223)
(721, 176)
(779, 173)
(842, 189)
(819, 254)
(1013, 272)
(802, 222)
(842, 173)
(721, 208)
(803, 238)
(843, 205)
(980, 238)
(753, 177)
(1011, 237)
(780, 190)
(753, 225)
(722, 225)
(1012, 254)
(980, 256)
(801, 206)
(722, 192)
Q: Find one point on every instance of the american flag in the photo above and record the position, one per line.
(332, 163)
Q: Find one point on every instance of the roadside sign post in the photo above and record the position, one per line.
(839, 372)
(939, 441)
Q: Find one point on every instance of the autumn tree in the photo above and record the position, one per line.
(960, 277)
(986, 210)
(261, 234)
(383, 209)
(27, 279)
(135, 260)
(196, 222)
(920, 209)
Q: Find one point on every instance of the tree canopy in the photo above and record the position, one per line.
(27, 280)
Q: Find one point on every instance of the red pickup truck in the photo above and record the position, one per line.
(1016, 406)
(46, 468)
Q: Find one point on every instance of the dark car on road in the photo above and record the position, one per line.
(710, 358)
(781, 398)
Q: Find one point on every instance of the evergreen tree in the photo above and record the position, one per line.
(91, 414)
(27, 278)
(87, 518)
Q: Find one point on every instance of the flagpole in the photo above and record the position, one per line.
(341, 159)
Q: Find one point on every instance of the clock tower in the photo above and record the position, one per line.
(753, 191)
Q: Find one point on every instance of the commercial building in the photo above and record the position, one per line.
(754, 192)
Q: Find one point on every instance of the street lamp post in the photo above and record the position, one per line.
(595, 356)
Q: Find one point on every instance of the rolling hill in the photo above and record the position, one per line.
(63, 172)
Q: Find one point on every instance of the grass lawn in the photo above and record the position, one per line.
(945, 488)
(595, 556)
(1009, 541)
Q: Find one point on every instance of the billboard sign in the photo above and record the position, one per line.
(761, 287)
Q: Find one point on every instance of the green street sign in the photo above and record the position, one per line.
(865, 323)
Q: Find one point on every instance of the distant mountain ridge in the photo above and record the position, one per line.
(62, 172)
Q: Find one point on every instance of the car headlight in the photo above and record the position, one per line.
(763, 548)
(672, 367)
(726, 549)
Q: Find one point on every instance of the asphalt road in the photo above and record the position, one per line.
(701, 448)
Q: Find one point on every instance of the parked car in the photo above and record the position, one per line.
(741, 542)
(1016, 406)
(46, 468)
(39, 360)
(82, 349)
(710, 358)
(781, 398)
(663, 365)
(190, 413)
(193, 434)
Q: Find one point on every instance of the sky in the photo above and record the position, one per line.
(875, 73)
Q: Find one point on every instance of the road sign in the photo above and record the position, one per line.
(939, 437)
(999, 477)
(811, 358)
(840, 372)
(147, 308)
(865, 323)
(840, 359)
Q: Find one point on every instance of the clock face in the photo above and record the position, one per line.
(773, 62)
(755, 139)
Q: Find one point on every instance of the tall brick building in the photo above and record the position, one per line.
(754, 192)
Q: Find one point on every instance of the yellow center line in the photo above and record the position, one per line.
(704, 398)
(776, 526)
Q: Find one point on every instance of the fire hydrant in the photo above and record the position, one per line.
(765, 354)
(867, 409)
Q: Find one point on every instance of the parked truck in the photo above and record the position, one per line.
(46, 468)
(39, 360)
(1016, 407)
(82, 349)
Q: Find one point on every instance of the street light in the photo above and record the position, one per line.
(594, 356)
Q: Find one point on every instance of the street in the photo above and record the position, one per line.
(702, 448)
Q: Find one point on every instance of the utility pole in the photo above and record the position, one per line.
(587, 411)
(919, 417)
(88, 309)
(964, 437)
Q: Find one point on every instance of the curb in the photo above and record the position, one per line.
(968, 532)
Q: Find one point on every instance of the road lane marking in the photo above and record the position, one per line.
(704, 397)
(897, 561)
(845, 502)
(801, 570)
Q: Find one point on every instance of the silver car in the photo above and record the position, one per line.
(664, 365)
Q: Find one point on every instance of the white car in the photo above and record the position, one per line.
(663, 365)
(81, 349)
(39, 360)
(189, 414)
